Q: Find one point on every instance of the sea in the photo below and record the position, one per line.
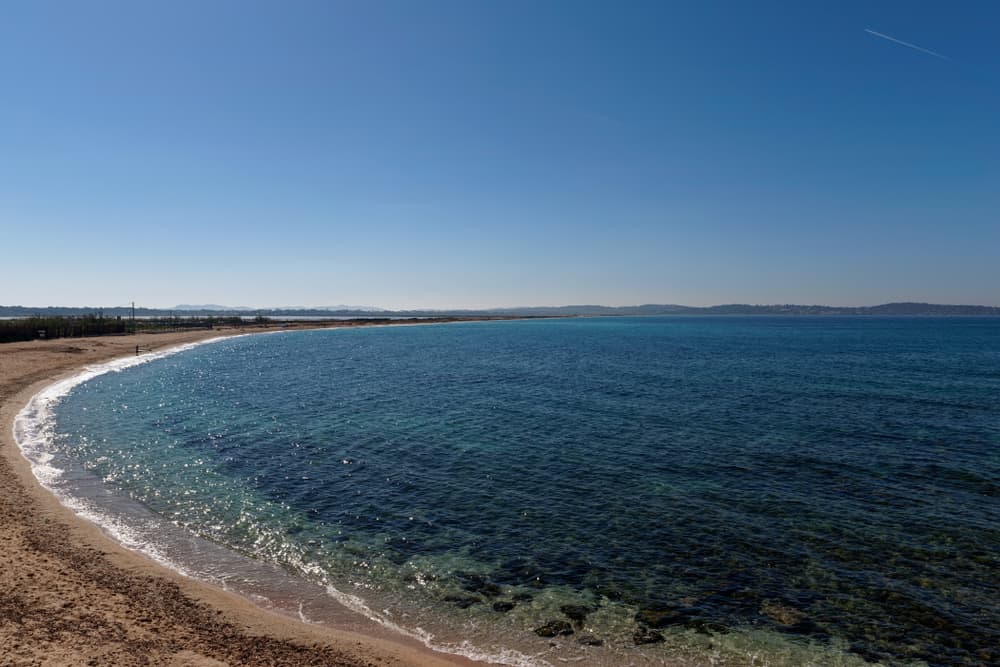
(595, 491)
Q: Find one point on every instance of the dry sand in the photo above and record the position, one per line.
(71, 596)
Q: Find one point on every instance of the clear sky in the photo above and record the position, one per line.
(482, 154)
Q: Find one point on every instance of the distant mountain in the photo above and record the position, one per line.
(216, 308)
(889, 309)
(358, 309)
(209, 306)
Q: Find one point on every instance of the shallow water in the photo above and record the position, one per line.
(747, 490)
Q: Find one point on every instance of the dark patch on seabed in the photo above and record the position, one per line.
(833, 480)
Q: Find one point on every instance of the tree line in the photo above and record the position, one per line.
(32, 328)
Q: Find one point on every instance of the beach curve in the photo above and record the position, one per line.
(69, 594)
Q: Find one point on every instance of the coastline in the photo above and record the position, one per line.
(71, 595)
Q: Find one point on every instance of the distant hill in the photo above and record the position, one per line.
(209, 306)
(216, 308)
(889, 309)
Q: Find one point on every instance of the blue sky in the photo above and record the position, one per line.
(474, 154)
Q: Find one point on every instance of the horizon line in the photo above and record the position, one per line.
(374, 310)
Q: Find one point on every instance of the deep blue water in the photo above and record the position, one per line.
(829, 484)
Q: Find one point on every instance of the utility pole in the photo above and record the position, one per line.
(133, 318)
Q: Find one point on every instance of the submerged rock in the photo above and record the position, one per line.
(503, 606)
(490, 590)
(477, 583)
(462, 601)
(554, 629)
(606, 589)
(522, 597)
(590, 640)
(519, 572)
(646, 636)
(576, 612)
(808, 628)
(782, 613)
(705, 627)
(659, 616)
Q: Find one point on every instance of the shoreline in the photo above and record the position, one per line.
(72, 595)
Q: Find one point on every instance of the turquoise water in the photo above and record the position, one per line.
(743, 490)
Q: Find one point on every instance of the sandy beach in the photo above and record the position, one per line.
(69, 595)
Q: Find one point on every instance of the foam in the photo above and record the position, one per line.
(34, 425)
(34, 432)
(464, 648)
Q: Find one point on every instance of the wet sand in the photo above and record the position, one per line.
(69, 595)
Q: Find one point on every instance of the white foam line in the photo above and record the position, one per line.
(33, 434)
(128, 536)
(33, 425)
(465, 649)
(34, 431)
(302, 615)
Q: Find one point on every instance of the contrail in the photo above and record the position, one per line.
(912, 46)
